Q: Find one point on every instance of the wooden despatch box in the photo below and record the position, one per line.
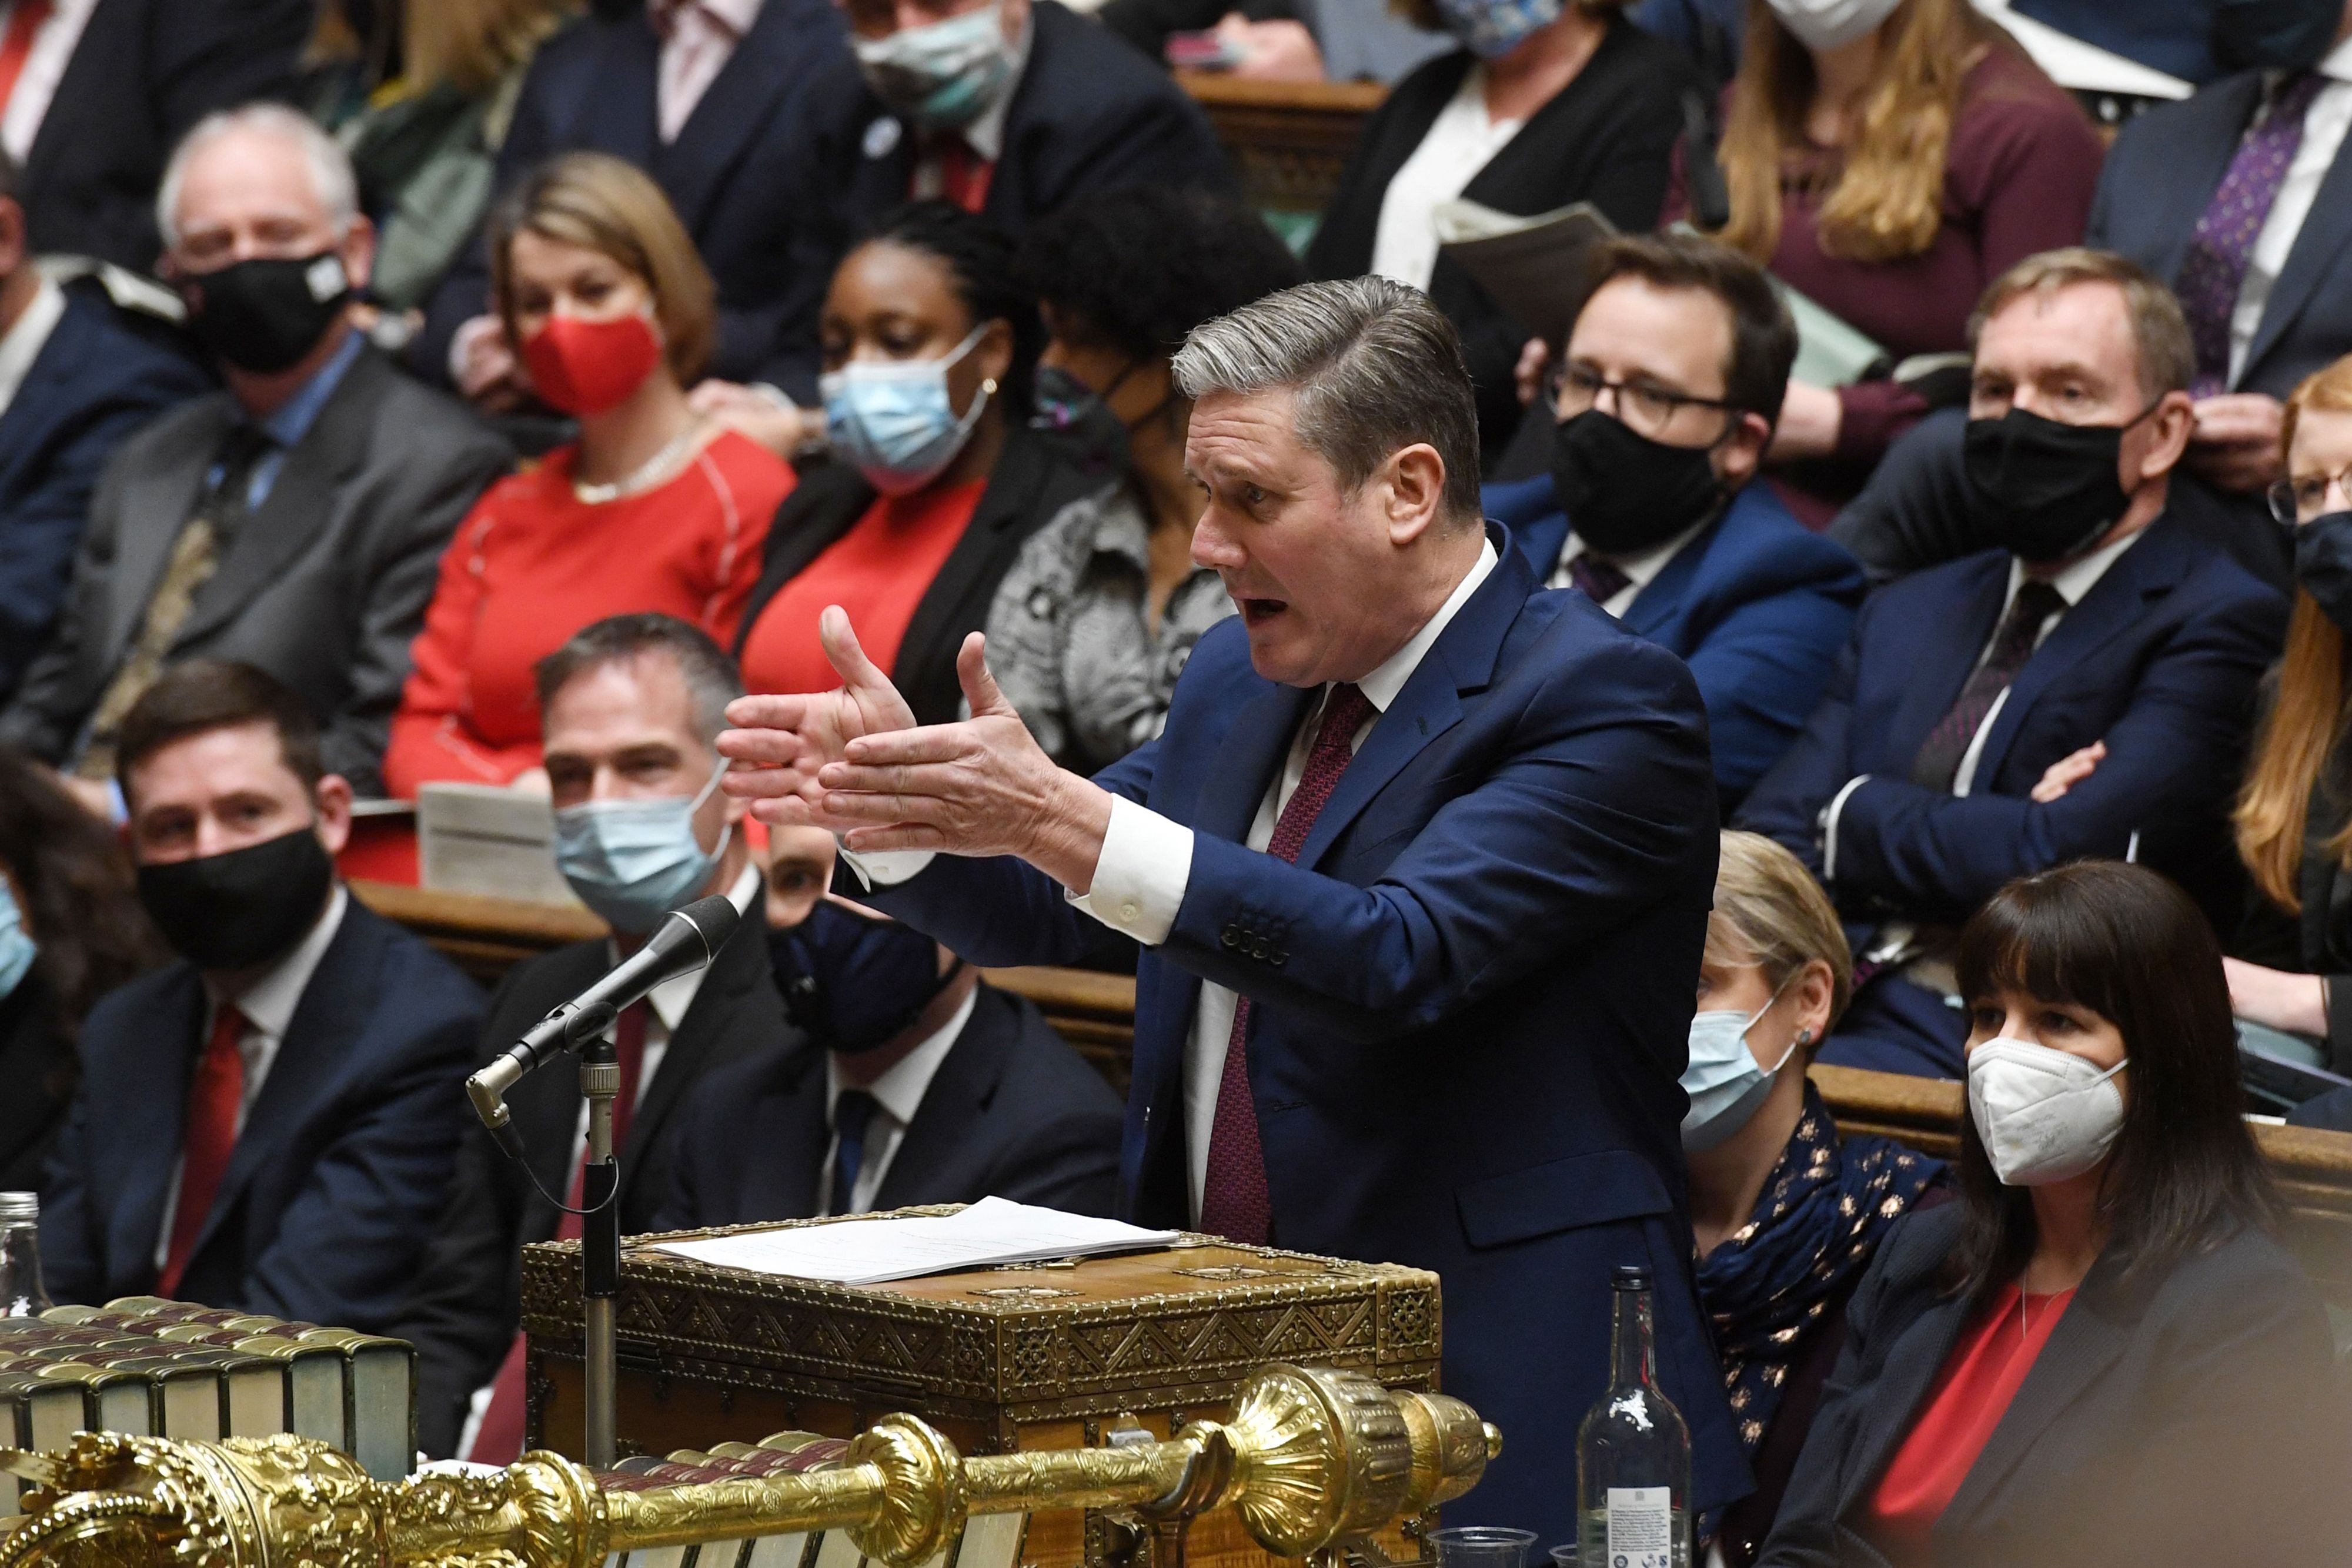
(1033, 1356)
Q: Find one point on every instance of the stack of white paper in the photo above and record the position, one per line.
(988, 1235)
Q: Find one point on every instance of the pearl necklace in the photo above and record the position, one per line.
(653, 471)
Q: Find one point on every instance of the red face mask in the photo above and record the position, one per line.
(589, 367)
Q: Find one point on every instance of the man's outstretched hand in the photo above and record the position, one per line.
(855, 762)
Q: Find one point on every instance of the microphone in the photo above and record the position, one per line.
(1710, 199)
(684, 941)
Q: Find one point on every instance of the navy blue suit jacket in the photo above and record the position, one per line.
(2159, 661)
(1757, 605)
(592, 87)
(94, 384)
(2159, 179)
(1089, 114)
(1471, 996)
(341, 1171)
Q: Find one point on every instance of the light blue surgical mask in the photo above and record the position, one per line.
(16, 948)
(1725, 1083)
(633, 862)
(1493, 28)
(943, 75)
(892, 421)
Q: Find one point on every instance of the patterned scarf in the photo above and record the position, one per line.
(1820, 1217)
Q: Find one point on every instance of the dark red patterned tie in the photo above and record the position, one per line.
(1234, 1201)
(1601, 580)
(1937, 766)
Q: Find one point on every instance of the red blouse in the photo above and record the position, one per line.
(878, 572)
(532, 563)
(1972, 1392)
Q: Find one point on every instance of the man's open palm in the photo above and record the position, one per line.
(788, 738)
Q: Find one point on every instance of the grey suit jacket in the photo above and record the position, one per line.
(324, 586)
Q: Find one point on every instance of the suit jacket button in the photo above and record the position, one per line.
(1229, 937)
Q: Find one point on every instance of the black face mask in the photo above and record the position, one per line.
(853, 984)
(263, 315)
(243, 908)
(2323, 564)
(1624, 493)
(2042, 490)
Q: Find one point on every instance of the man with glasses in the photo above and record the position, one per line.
(1665, 399)
(2084, 690)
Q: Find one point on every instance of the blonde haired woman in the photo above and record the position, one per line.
(1787, 1214)
(1889, 159)
(2295, 814)
(603, 301)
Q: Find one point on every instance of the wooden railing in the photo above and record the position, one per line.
(1288, 139)
(1095, 1013)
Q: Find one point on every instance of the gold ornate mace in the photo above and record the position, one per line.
(1312, 1458)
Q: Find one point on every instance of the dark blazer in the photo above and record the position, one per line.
(467, 1303)
(2159, 177)
(1606, 138)
(344, 1162)
(2173, 36)
(1088, 115)
(2152, 1399)
(1036, 476)
(142, 73)
(93, 384)
(324, 586)
(1521, 854)
(2160, 660)
(1758, 606)
(39, 1064)
(593, 88)
(1012, 1112)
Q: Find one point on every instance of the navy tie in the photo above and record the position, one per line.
(852, 1113)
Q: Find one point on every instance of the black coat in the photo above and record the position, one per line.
(1088, 115)
(1013, 1112)
(469, 1301)
(1606, 138)
(2191, 1417)
(38, 1066)
(1035, 477)
(142, 74)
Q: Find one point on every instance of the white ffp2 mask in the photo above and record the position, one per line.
(1825, 24)
(2042, 1115)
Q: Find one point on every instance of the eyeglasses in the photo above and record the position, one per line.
(2305, 496)
(1646, 408)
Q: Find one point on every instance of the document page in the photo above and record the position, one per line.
(988, 1234)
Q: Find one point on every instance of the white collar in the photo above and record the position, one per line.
(900, 1091)
(1638, 567)
(671, 998)
(985, 135)
(2079, 578)
(269, 1002)
(1383, 684)
(2337, 64)
(24, 341)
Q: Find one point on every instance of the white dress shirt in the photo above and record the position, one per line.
(2323, 127)
(699, 37)
(1461, 142)
(1638, 568)
(23, 343)
(898, 1095)
(269, 1007)
(45, 67)
(2072, 584)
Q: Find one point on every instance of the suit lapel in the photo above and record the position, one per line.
(1912, 1365)
(1248, 761)
(783, 1185)
(2321, 243)
(625, 117)
(1010, 498)
(739, 103)
(717, 1028)
(299, 505)
(1938, 666)
(2198, 161)
(146, 1119)
(2113, 604)
(156, 508)
(941, 1130)
(36, 405)
(1663, 594)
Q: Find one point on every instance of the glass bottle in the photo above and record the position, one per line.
(22, 1294)
(1632, 1452)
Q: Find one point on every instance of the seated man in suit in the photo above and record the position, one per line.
(702, 97)
(1673, 373)
(1008, 107)
(2085, 690)
(104, 89)
(268, 1124)
(1412, 825)
(630, 706)
(75, 383)
(293, 521)
(915, 1083)
(2241, 199)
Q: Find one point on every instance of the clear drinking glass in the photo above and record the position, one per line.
(1481, 1546)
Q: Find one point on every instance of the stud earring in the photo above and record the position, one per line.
(1804, 1037)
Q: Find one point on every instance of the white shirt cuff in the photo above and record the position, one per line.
(1830, 825)
(884, 868)
(1140, 877)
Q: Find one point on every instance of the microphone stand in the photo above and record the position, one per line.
(600, 1246)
